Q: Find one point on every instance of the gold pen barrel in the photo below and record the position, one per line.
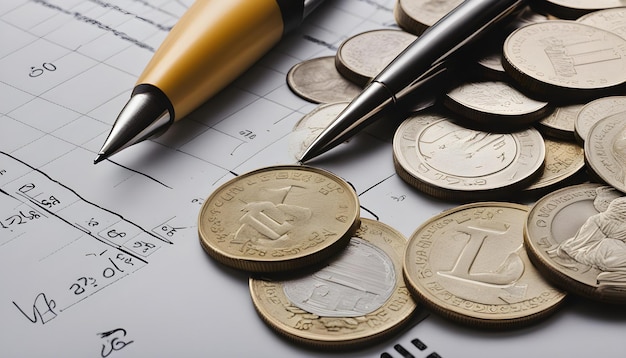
(211, 45)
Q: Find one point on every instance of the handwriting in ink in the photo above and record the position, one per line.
(113, 342)
(38, 71)
(43, 309)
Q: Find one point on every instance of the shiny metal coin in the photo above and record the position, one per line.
(311, 125)
(613, 20)
(576, 238)
(560, 123)
(605, 150)
(573, 9)
(451, 162)
(469, 264)
(564, 161)
(278, 218)
(318, 81)
(594, 111)
(359, 298)
(495, 103)
(363, 56)
(415, 16)
(565, 59)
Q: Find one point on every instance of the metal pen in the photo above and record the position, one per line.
(421, 63)
(211, 44)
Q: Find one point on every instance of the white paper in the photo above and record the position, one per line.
(104, 260)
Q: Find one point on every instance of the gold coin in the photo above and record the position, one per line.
(605, 150)
(561, 122)
(573, 9)
(565, 59)
(358, 298)
(469, 264)
(575, 236)
(495, 103)
(564, 161)
(361, 57)
(594, 111)
(415, 16)
(451, 162)
(278, 218)
(613, 20)
(318, 81)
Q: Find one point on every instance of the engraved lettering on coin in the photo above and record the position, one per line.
(357, 283)
(469, 264)
(576, 236)
(596, 110)
(613, 20)
(317, 80)
(559, 57)
(560, 123)
(563, 161)
(361, 57)
(605, 150)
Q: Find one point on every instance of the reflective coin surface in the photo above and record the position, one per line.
(359, 298)
(596, 110)
(564, 160)
(448, 161)
(560, 123)
(605, 150)
(613, 20)
(494, 102)
(415, 16)
(576, 236)
(572, 9)
(363, 56)
(317, 80)
(556, 59)
(469, 264)
(278, 218)
(311, 125)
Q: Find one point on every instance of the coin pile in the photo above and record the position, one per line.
(538, 115)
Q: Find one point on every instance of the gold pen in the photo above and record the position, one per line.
(209, 47)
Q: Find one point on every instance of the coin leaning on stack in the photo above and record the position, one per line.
(549, 116)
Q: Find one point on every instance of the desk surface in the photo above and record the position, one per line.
(105, 260)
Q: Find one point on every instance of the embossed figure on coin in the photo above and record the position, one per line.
(565, 57)
(357, 283)
(270, 219)
(600, 243)
(619, 152)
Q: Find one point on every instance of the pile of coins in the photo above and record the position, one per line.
(538, 116)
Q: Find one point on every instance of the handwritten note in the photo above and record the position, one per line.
(105, 260)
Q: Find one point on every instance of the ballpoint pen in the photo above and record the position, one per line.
(211, 45)
(419, 64)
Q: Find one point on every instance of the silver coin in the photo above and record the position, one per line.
(560, 123)
(495, 103)
(595, 111)
(566, 59)
(415, 16)
(572, 9)
(448, 161)
(363, 56)
(564, 160)
(318, 81)
(613, 20)
(605, 150)
(311, 125)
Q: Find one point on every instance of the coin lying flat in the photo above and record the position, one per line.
(561, 122)
(594, 111)
(469, 264)
(415, 16)
(605, 150)
(451, 162)
(495, 103)
(311, 125)
(572, 9)
(576, 238)
(564, 160)
(278, 218)
(613, 20)
(317, 80)
(358, 298)
(565, 59)
(361, 57)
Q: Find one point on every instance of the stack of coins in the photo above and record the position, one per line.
(538, 117)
